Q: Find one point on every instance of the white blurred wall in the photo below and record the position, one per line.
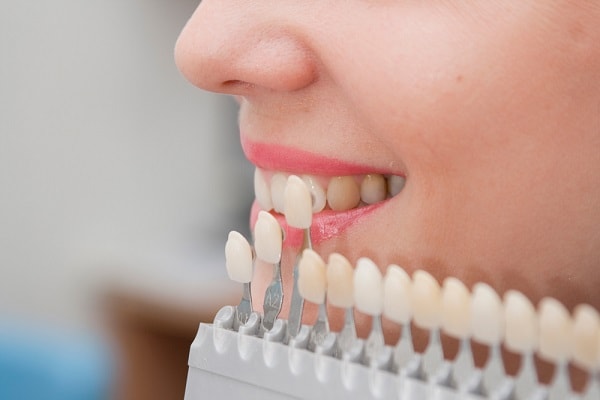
(109, 160)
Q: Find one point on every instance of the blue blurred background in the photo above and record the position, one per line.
(118, 184)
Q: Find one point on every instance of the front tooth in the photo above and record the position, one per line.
(373, 188)
(343, 193)
(267, 238)
(262, 192)
(238, 258)
(556, 331)
(397, 304)
(319, 199)
(340, 285)
(312, 279)
(368, 287)
(426, 300)
(487, 315)
(586, 336)
(278, 184)
(297, 203)
(395, 184)
(521, 323)
(456, 308)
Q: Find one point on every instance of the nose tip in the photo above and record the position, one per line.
(230, 51)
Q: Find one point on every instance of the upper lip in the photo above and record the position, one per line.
(277, 157)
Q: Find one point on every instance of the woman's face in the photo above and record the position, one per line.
(490, 111)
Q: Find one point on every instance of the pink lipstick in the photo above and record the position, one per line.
(287, 159)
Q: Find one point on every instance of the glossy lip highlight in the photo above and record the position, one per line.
(286, 159)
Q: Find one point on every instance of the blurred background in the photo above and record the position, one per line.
(118, 184)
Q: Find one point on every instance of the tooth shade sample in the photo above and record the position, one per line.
(318, 196)
(340, 281)
(343, 193)
(238, 258)
(298, 203)
(397, 300)
(395, 184)
(586, 337)
(267, 238)
(487, 315)
(312, 279)
(426, 300)
(556, 331)
(262, 191)
(456, 308)
(368, 287)
(278, 184)
(373, 189)
(520, 323)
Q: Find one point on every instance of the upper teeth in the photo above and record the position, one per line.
(338, 193)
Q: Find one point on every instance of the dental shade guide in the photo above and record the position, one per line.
(427, 314)
(368, 299)
(340, 289)
(244, 353)
(586, 349)
(555, 344)
(268, 240)
(312, 286)
(238, 260)
(397, 307)
(521, 336)
(298, 214)
(487, 327)
(456, 323)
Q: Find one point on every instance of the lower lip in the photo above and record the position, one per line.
(326, 224)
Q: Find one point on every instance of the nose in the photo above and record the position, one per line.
(239, 48)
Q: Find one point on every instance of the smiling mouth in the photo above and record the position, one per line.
(338, 202)
(338, 193)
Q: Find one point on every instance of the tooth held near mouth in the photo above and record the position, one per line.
(319, 198)
(373, 188)
(297, 203)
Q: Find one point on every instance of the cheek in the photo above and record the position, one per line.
(448, 86)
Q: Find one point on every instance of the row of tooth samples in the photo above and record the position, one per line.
(479, 315)
(338, 193)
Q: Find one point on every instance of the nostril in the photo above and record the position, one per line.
(237, 86)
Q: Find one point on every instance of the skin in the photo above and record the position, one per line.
(490, 109)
